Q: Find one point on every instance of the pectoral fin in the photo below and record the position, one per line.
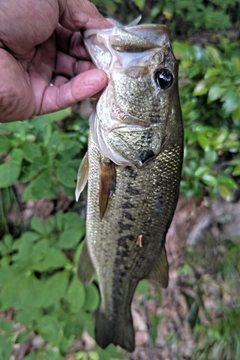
(85, 268)
(160, 271)
(82, 176)
(107, 184)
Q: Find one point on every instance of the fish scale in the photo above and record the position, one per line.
(110, 239)
(133, 168)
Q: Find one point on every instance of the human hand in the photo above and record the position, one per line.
(40, 41)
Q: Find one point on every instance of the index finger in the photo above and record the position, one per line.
(83, 15)
(71, 43)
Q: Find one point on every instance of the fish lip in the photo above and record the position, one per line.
(92, 32)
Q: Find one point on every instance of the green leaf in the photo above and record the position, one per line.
(139, 3)
(5, 347)
(70, 238)
(52, 259)
(236, 114)
(201, 88)
(92, 298)
(8, 240)
(29, 236)
(214, 55)
(215, 92)
(202, 170)
(39, 187)
(6, 326)
(110, 353)
(24, 253)
(203, 141)
(16, 156)
(29, 315)
(217, 140)
(54, 289)
(50, 330)
(56, 116)
(66, 175)
(225, 192)
(70, 149)
(54, 142)
(142, 287)
(43, 354)
(236, 171)
(31, 151)
(76, 294)
(213, 72)
(72, 219)
(210, 157)
(21, 291)
(227, 181)
(4, 144)
(9, 173)
(37, 225)
(209, 179)
(7, 275)
(231, 101)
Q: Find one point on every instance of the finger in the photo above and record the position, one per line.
(82, 14)
(59, 80)
(68, 66)
(71, 43)
(67, 94)
(16, 97)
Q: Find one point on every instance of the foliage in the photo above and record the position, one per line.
(38, 152)
(210, 97)
(183, 16)
(215, 326)
(189, 16)
(38, 260)
(38, 268)
(38, 279)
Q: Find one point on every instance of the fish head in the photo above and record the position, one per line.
(141, 98)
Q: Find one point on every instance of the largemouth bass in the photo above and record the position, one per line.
(133, 167)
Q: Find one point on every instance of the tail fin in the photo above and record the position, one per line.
(116, 331)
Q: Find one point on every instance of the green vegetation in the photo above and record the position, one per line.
(210, 96)
(39, 159)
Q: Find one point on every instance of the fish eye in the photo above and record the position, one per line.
(163, 78)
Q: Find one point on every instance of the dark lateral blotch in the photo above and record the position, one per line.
(146, 155)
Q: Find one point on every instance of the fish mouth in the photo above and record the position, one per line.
(157, 28)
(125, 46)
(130, 38)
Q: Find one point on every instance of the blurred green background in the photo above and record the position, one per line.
(42, 228)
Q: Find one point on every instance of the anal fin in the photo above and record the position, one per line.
(160, 270)
(107, 184)
(85, 268)
(82, 176)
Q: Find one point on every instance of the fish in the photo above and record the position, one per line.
(133, 169)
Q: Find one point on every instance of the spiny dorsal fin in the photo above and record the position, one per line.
(82, 176)
(85, 268)
(107, 184)
(160, 271)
